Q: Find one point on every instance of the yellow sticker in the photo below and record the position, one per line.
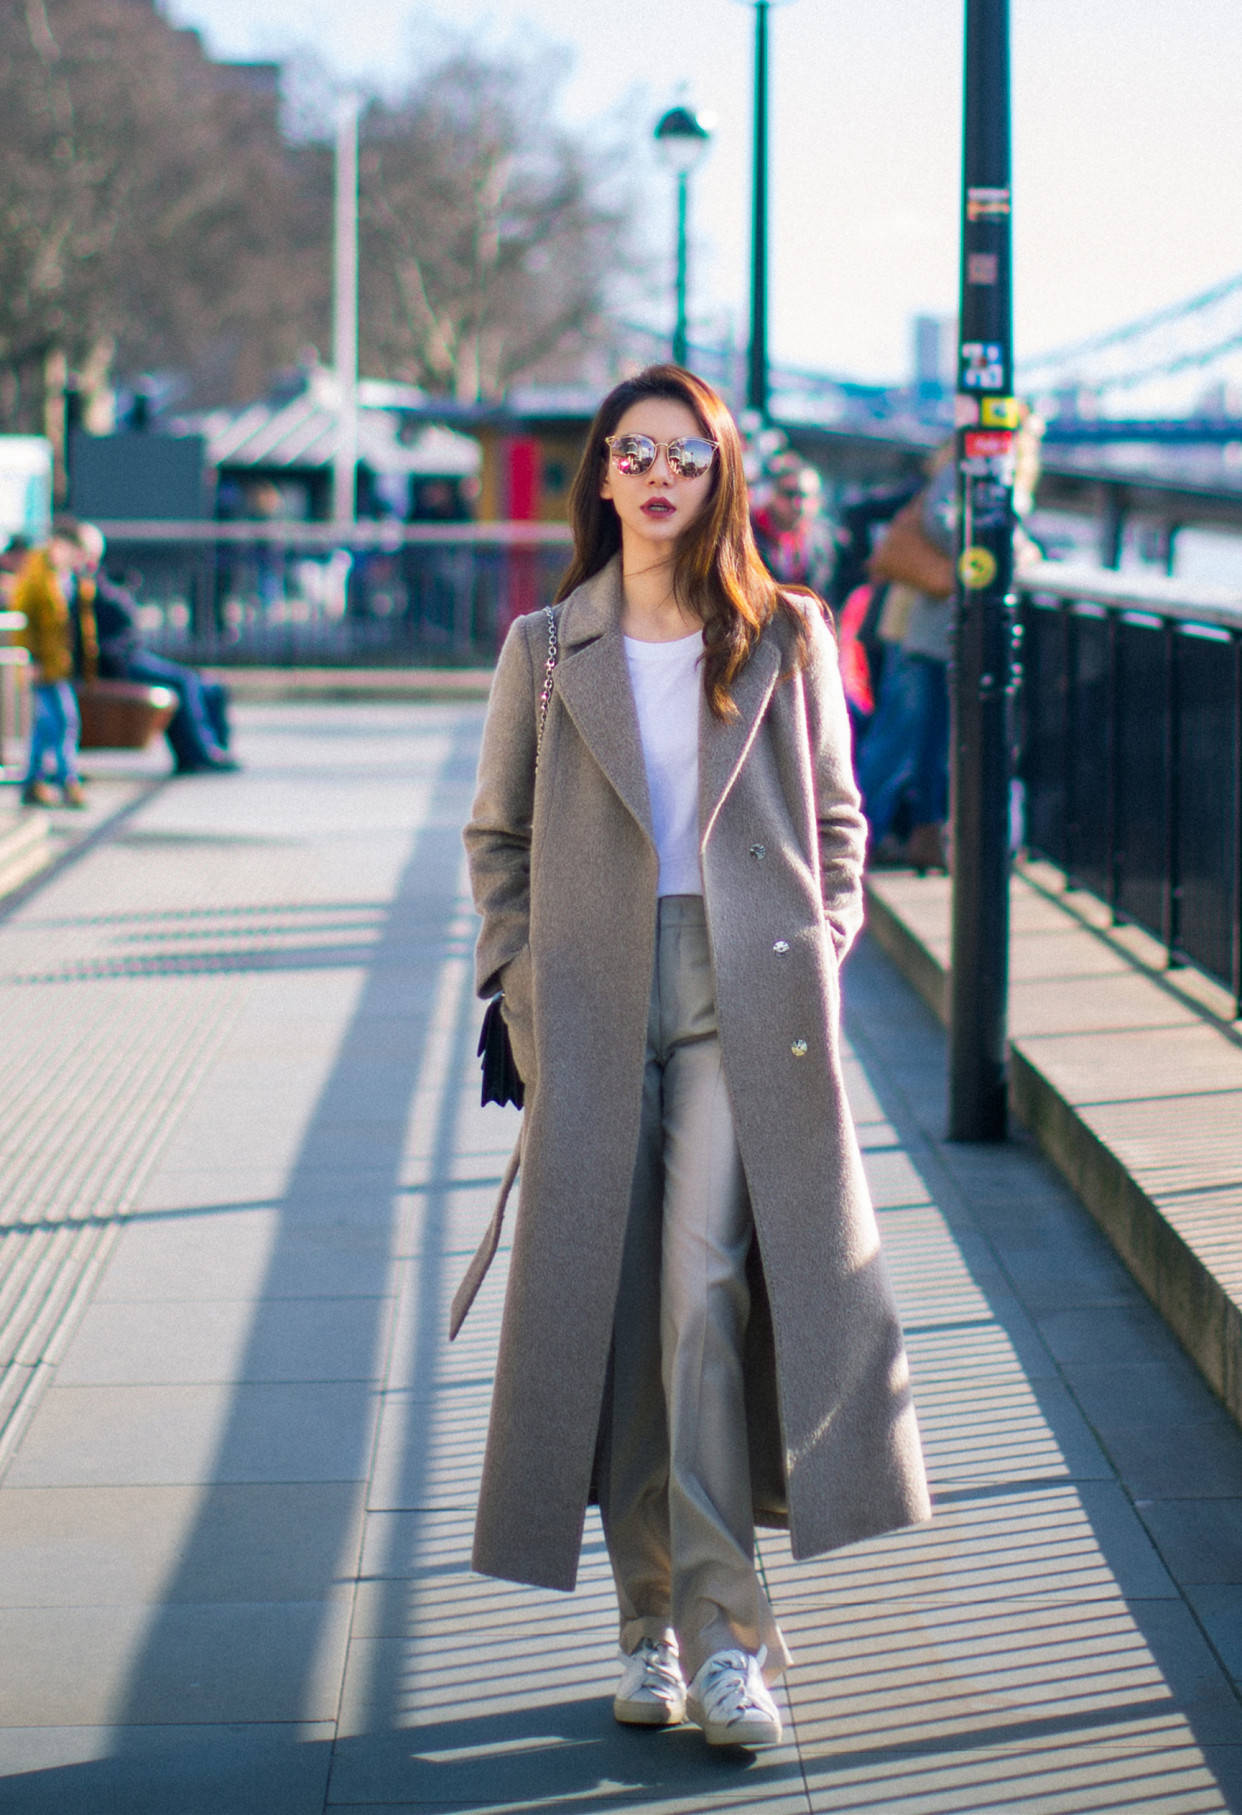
(1000, 413)
(977, 568)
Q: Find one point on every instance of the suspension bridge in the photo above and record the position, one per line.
(1171, 377)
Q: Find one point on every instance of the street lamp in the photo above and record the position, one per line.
(757, 361)
(345, 311)
(681, 137)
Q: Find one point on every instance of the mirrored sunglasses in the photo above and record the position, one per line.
(688, 456)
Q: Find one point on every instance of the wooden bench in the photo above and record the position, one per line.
(123, 715)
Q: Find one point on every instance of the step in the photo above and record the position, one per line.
(1130, 1081)
(25, 847)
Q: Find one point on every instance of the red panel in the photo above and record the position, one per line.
(523, 475)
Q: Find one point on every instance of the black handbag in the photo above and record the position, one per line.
(502, 1081)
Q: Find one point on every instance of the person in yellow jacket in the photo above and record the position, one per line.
(57, 615)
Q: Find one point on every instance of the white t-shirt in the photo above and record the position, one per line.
(667, 684)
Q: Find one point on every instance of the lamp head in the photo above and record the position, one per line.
(682, 136)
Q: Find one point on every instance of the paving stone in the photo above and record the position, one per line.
(102, 1546)
(1218, 1608)
(1077, 1271)
(1103, 1334)
(153, 1770)
(111, 1436)
(1113, 1001)
(1201, 1540)
(219, 1252)
(328, 1339)
(138, 1666)
(1168, 1394)
(1188, 1058)
(1164, 1462)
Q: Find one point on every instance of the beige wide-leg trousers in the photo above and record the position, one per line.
(673, 1472)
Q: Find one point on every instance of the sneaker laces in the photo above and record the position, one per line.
(727, 1684)
(660, 1666)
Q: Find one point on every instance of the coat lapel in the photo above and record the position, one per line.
(723, 745)
(594, 685)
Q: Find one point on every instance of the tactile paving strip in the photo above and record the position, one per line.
(77, 1135)
(92, 1079)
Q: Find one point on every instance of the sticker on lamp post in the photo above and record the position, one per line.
(982, 366)
(977, 568)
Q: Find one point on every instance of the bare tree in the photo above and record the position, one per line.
(492, 243)
(155, 215)
(149, 214)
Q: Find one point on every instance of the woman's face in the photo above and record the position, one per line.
(658, 506)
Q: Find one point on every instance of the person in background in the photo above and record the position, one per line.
(904, 759)
(198, 732)
(12, 560)
(903, 764)
(58, 620)
(793, 541)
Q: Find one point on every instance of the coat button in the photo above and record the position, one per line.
(798, 1049)
(781, 946)
(758, 852)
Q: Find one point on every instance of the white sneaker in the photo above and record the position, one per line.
(730, 1701)
(652, 1690)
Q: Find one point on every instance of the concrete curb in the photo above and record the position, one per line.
(1195, 1304)
(25, 848)
(1175, 1266)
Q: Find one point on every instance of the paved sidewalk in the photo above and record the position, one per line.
(240, 1099)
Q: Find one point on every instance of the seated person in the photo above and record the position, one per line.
(198, 732)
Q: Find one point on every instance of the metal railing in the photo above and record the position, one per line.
(14, 693)
(1130, 741)
(384, 594)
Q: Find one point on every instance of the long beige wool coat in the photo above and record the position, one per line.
(564, 874)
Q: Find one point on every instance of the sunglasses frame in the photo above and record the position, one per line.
(665, 447)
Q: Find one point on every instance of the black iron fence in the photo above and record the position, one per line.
(1131, 754)
(307, 594)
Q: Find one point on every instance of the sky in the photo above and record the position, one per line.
(1127, 146)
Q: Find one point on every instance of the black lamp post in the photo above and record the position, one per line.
(983, 642)
(757, 359)
(681, 137)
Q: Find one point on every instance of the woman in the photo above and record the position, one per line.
(698, 1330)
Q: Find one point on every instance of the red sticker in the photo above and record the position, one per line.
(988, 444)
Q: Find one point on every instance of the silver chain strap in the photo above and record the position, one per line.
(549, 669)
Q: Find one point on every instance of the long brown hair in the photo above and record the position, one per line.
(717, 573)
